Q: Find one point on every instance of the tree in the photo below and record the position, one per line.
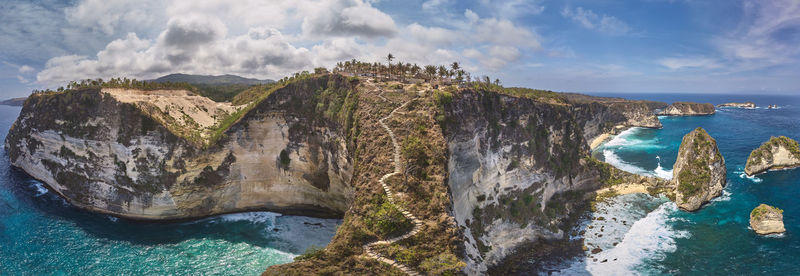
(430, 70)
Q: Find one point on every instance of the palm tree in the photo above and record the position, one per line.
(430, 70)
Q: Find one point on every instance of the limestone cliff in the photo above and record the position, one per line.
(765, 220)
(745, 105)
(777, 153)
(699, 172)
(600, 115)
(135, 154)
(688, 109)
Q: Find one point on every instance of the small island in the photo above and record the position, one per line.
(777, 153)
(688, 109)
(766, 220)
(699, 174)
(745, 105)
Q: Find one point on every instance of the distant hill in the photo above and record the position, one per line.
(14, 102)
(203, 79)
(218, 88)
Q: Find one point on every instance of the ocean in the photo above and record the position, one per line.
(40, 234)
(659, 239)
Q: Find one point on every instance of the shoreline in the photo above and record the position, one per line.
(624, 189)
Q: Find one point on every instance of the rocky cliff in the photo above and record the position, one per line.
(746, 105)
(141, 155)
(765, 220)
(777, 153)
(688, 109)
(699, 173)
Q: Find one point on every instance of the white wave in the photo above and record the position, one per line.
(112, 218)
(725, 196)
(661, 172)
(40, 188)
(254, 217)
(753, 178)
(649, 238)
(621, 139)
(613, 159)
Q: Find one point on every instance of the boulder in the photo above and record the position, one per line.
(777, 153)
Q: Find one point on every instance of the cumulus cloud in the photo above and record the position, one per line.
(345, 18)
(592, 21)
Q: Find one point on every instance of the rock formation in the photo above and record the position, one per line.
(142, 155)
(765, 220)
(777, 153)
(699, 173)
(688, 109)
(746, 105)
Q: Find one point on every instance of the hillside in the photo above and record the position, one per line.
(14, 101)
(218, 88)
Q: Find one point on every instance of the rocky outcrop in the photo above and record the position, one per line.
(745, 105)
(777, 153)
(115, 152)
(602, 115)
(699, 173)
(765, 220)
(688, 109)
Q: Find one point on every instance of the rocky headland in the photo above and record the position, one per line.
(777, 153)
(467, 175)
(688, 109)
(745, 105)
(765, 220)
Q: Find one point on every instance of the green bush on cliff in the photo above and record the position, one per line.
(386, 220)
(763, 209)
(442, 264)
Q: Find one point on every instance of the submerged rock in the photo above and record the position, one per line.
(766, 219)
(688, 109)
(777, 153)
(699, 174)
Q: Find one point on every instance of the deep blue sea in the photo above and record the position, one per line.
(40, 234)
(657, 238)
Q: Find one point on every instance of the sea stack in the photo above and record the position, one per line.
(766, 220)
(777, 153)
(688, 109)
(699, 174)
(745, 105)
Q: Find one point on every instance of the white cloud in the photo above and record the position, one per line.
(25, 69)
(22, 79)
(592, 21)
(339, 18)
(695, 62)
(768, 35)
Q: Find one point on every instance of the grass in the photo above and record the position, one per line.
(762, 210)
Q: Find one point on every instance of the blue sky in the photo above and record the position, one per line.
(727, 46)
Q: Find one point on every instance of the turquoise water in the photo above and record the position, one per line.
(716, 239)
(40, 234)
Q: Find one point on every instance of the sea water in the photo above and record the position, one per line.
(40, 234)
(659, 239)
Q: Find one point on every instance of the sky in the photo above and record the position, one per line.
(684, 46)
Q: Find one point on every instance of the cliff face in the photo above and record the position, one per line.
(765, 220)
(688, 109)
(107, 153)
(777, 153)
(519, 169)
(699, 172)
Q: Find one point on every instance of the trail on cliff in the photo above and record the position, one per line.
(369, 252)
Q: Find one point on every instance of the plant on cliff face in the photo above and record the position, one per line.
(284, 159)
(443, 264)
(415, 153)
(386, 220)
(762, 210)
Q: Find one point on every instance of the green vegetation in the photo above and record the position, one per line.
(696, 174)
(310, 253)
(119, 83)
(386, 220)
(765, 150)
(762, 210)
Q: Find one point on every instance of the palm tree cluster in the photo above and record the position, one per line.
(119, 83)
(403, 71)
